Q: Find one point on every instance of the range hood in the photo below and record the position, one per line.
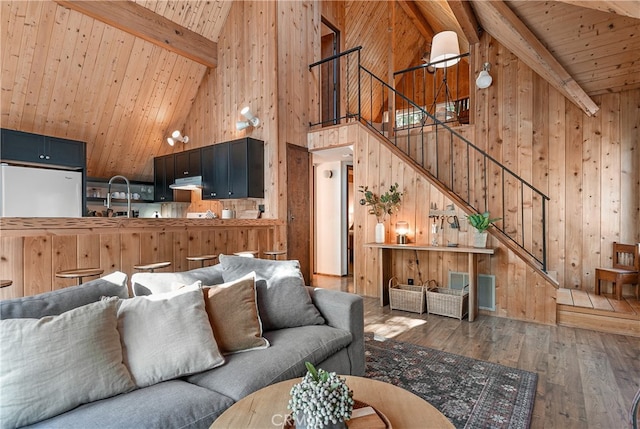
(187, 183)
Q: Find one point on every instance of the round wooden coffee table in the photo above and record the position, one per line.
(267, 407)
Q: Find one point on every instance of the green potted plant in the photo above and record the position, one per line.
(381, 206)
(480, 221)
(321, 400)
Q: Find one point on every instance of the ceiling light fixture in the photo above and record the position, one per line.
(484, 79)
(252, 120)
(177, 136)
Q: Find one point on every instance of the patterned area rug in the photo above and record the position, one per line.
(470, 392)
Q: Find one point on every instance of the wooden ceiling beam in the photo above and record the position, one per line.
(148, 25)
(412, 11)
(499, 20)
(467, 19)
(625, 8)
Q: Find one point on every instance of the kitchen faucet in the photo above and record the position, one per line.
(128, 194)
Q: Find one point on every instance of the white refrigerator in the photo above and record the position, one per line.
(40, 192)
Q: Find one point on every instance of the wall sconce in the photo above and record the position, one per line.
(444, 45)
(484, 78)
(328, 174)
(252, 121)
(176, 136)
(402, 229)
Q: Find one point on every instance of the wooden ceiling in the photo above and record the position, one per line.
(69, 75)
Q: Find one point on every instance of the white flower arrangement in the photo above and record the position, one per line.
(320, 399)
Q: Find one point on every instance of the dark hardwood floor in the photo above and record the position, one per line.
(586, 379)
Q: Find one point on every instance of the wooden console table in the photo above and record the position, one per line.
(384, 267)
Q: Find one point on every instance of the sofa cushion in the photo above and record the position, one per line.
(233, 313)
(165, 336)
(170, 404)
(56, 363)
(59, 301)
(283, 301)
(244, 373)
(148, 283)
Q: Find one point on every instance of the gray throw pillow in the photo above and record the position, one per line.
(54, 364)
(283, 299)
(59, 301)
(165, 336)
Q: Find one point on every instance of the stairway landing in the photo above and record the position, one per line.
(582, 309)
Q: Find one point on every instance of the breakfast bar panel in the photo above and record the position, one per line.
(32, 250)
(385, 272)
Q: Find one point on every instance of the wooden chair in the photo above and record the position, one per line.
(625, 270)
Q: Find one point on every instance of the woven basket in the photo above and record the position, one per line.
(448, 302)
(406, 297)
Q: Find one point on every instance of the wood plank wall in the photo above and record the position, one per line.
(389, 41)
(521, 293)
(30, 256)
(263, 53)
(246, 76)
(590, 167)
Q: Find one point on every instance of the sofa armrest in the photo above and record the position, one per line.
(344, 310)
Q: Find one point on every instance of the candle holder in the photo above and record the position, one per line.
(402, 229)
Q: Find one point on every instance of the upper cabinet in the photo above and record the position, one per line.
(233, 169)
(187, 163)
(31, 148)
(215, 175)
(163, 176)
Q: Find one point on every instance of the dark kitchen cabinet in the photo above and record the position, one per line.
(215, 171)
(187, 163)
(163, 177)
(233, 169)
(37, 149)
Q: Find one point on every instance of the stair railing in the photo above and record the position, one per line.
(445, 154)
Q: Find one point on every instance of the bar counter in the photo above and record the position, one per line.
(9, 225)
(32, 250)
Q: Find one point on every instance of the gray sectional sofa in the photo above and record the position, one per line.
(297, 324)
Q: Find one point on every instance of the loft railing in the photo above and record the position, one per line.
(473, 175)
(441, 91)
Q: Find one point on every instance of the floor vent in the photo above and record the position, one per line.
(486, 288)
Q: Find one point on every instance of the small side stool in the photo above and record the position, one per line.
(152, 267)
(5, 283)
(202, 258)
(274, 253)
(79, 273)
(247, 253)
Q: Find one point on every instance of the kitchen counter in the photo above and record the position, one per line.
(52, 226)
(32, 250)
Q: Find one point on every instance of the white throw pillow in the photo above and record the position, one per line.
(54, 364)
(166, 336)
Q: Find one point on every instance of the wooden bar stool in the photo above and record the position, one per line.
(152, 267)
(247, 253)
(202, 258)
(79, 273)
(5, 283)
(274, 253)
